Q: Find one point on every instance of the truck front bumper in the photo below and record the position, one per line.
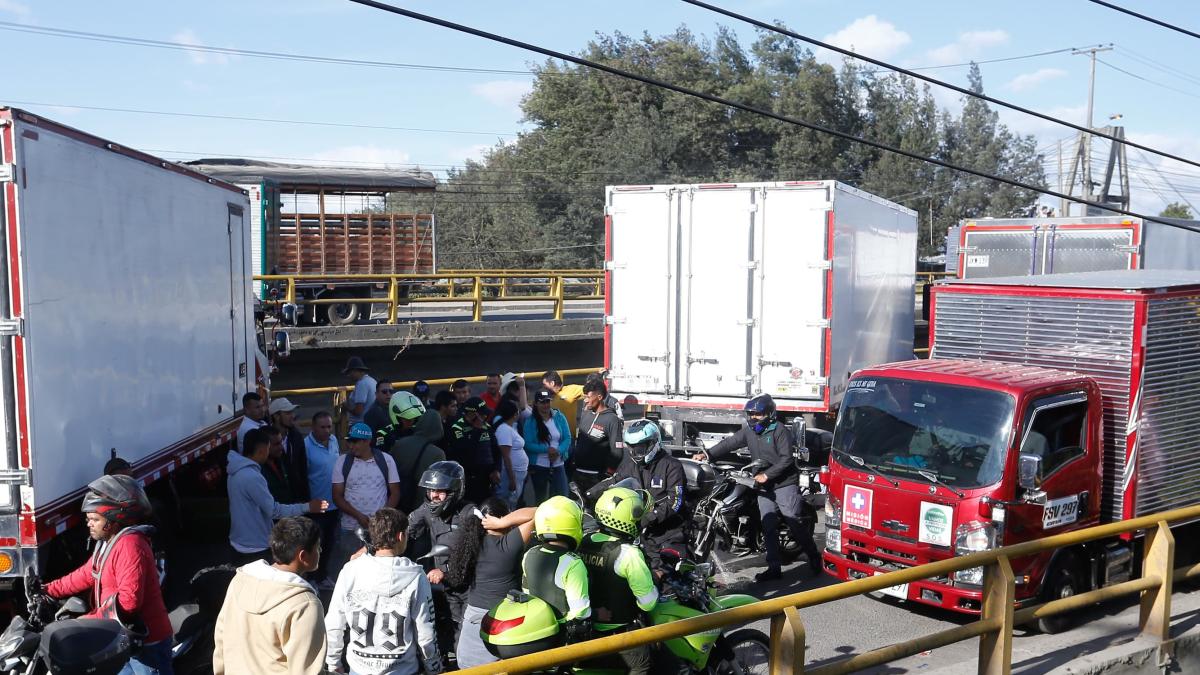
(935, 592)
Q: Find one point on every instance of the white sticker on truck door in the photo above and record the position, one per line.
(1060, 512)
(977, 261)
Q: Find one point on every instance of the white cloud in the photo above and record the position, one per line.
(368, 154)
(870, 36)
(503, 93)
(968, 46)
(1026, 81)
(20, 9)
(198, 57)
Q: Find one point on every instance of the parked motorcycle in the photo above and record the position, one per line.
(193, 622)
(51, 641)
(523, 624)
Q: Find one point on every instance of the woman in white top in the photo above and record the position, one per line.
(515, 463)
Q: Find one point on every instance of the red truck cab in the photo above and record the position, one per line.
(943, 457)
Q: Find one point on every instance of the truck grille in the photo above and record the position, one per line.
(1092, 337)
(1168, 434)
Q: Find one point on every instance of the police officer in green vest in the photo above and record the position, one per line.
(618, 575)
(552, 571)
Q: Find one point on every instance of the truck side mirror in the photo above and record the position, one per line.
(290, 313)
(1029, 477)
(799, 447)
(283, 344)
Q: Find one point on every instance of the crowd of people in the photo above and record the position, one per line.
(425, 514)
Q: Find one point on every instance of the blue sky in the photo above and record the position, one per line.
(481, 108)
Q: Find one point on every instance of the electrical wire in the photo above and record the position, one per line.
(1147, 80)
(712, 98)
(980, 63)
(1156, 65)
(1144, 17)
(925, 78)
(240, 118)
(230, 51)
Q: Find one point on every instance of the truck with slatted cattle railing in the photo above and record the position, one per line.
(330, 221)
(1049, 404)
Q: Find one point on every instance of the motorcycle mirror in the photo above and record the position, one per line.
(75, 605)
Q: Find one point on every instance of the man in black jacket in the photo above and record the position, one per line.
(661, 475)
(283, 418)
(770, 443)
(598, 445)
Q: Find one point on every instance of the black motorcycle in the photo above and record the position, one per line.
(50, 640)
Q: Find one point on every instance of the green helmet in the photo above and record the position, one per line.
(559, 519)
(404, 405)
(620, 510)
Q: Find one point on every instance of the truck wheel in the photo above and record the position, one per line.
(1062, 583)
(342, 313)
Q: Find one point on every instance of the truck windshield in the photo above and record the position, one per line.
(906, 429)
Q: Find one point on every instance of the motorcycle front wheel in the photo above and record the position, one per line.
(743, 652)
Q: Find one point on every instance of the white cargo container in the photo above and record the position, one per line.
(718, 292)
(126, 321)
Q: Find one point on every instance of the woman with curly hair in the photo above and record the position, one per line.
(488, 560)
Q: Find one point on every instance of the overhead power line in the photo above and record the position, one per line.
(1147, 80)
(980, 63)
(230, 51)
(240, 118)
(737, 105)
(925, 78)
(1145, 17)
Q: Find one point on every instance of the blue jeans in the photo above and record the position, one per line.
(152, 659)
(548, 481)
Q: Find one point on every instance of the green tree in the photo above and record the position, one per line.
(1177, 210)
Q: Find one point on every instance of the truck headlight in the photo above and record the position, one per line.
(973, 537)
(833, 524)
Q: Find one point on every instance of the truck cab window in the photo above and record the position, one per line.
(1057, 431)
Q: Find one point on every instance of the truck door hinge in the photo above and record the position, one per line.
(744, 378)
(747, 322)
(613, 320)
(781, 364)
(817, 323)
(752, 264)
(821, 265)
(614, 265)
(1127, 248)
(650, 357)
(7, 171)
(704, 360)
(14, 477)
(753, 208)
(10, 327)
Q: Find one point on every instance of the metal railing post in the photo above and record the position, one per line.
(556, 284)
(291, 290)
(999, 594)
(393, 300)
(1155, 619)
(504, 287)
(477, 299)
(787, 643)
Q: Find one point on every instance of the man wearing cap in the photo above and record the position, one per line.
(377, 416)
(295, 456)
(473, 445)
(364, 481)
(364, 389)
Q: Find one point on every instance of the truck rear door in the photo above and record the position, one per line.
(1015, 250)
(643, 226)
(790, 305)
(718, 263)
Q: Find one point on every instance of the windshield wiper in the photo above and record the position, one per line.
(932, 478)
(863, 463)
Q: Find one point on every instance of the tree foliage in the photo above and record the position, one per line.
(1177, 210)
(539, 201)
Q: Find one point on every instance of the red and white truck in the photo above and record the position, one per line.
(719, 292)
(1050, 403)
(126, 324)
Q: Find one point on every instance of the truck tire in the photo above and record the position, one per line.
(343, 313)
(1062, 582)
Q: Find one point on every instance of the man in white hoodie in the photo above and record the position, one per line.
(385, 601)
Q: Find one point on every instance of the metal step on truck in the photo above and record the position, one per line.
(1049, 404)
(719, 292)
(126, 326)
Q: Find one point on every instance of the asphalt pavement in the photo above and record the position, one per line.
(856, 625)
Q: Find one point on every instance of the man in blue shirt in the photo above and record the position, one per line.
(322, 450)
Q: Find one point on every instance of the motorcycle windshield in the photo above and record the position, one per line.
(915, 430)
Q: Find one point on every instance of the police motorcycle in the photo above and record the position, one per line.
(52, 640)
(723, 498)
(525, 624)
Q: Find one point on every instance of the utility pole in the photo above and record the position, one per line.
(1086, 144)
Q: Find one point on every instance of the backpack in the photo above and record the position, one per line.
(379, 462)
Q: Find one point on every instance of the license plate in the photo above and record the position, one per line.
(899, 591)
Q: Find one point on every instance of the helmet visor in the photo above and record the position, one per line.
(639, 451)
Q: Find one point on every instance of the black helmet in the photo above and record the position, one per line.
(120, 499)
(448, 477)
(763, 405)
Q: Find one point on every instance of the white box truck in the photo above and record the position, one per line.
(126, 323)
(718, 292)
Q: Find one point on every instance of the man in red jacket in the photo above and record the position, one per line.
(121, 575)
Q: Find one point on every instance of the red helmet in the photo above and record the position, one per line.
(120, 499)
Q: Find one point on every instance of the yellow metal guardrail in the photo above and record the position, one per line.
(407, 384)
(475, 286)
(994, 627)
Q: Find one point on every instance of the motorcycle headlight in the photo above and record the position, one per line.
(833, 524)
(973, 537)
